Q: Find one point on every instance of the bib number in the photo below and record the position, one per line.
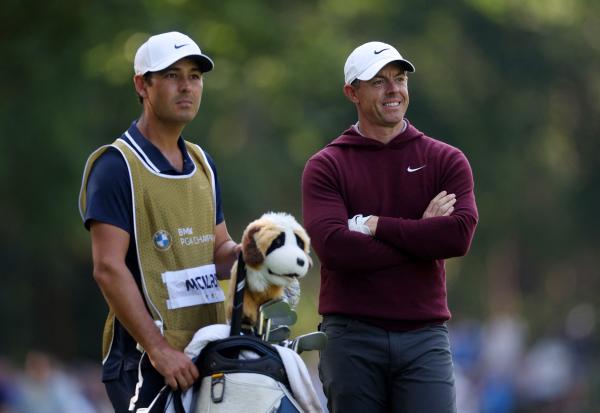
(192, 286)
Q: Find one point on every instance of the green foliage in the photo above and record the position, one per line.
(514, 84)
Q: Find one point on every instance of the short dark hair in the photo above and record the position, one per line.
(148, 79)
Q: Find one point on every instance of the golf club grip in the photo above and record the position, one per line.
(238, 297)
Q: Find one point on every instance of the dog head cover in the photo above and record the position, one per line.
(276, 251)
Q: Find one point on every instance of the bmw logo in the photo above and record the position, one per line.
(162, 240)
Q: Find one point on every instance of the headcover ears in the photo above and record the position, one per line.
(252, 255)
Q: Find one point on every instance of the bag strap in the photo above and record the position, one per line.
(177, 402)
(238, 298)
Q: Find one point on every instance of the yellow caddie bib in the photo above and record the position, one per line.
(174, 221)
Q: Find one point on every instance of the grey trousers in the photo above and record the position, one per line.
(368, 369)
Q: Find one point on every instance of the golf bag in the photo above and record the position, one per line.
(240, 373)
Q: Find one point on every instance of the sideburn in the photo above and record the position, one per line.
(148, 80)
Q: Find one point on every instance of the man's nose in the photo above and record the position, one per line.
(184, 84)
(392, 86)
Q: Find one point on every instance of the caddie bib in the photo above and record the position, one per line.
(174, 221)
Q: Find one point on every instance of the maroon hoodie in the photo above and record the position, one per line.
(395, 279)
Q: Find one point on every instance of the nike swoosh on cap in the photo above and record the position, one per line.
(409, 169)
(179, 46)
(379, 51)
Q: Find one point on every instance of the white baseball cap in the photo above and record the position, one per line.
(368, 59)
(162, 50)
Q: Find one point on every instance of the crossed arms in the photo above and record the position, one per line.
(444, 230)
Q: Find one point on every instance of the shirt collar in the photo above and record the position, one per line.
(156, 156)
(357, 128)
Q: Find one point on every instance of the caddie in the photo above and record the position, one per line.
(151, 201)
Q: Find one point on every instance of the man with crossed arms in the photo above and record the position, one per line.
(384, 205)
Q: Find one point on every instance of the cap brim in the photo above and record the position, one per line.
(205, 63)
(376, 67)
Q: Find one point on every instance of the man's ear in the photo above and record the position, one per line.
(252, 255)
(350, 92)
(140, 85)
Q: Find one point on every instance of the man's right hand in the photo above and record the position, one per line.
(177, 368)
(440, 206)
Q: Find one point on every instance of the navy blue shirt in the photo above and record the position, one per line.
(108, 200)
